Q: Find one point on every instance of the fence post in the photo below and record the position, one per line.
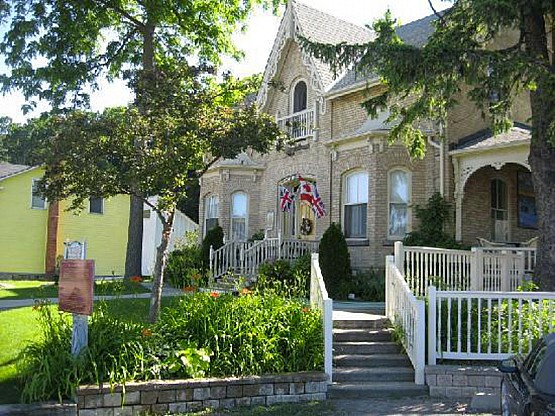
(279, 245)
(328, 338)
(432, 325)
(504, 284)
(400, 257)
(389, 261)
(474, 281)
(420, 359)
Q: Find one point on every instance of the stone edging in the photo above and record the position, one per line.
(451, 381)
(160, 397)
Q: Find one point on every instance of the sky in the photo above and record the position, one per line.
(256, 42)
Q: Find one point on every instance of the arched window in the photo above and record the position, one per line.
(399, 201)
(299, 97)
(239, 215)
(210, 212)
(355, 203)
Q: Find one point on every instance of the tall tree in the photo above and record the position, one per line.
(25, 143)
(457, 53)
(182, 133)
(79, 41)
(5, 123)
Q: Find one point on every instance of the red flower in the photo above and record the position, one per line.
(136, 279)
(214, 294)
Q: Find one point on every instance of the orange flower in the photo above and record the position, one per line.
(214, 294)
(136, 279)
(306, 310)
(246, 291)
(189, 289)
(146, 332)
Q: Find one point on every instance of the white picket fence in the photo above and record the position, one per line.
(298, 125)
(404, 310)
(319, 299)
(482, 268)
(245, 258)
(486, 325)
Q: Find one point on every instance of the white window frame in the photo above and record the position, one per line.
(33, 186)
(207, 206)
(101, 206)
(390, 202)
(234, 218)
(344, 202)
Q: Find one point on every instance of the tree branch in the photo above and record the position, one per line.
(132, 19)
(438, 15)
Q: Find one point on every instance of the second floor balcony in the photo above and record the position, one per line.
(299, 126)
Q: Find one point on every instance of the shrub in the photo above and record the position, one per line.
(335, 261)
(431, 227)
(369, 286)
(184, 267)
(215, 239)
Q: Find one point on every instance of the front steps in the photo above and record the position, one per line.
(367, 363)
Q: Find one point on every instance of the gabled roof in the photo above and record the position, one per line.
(415, 33)
(7, 170)
(314, 25)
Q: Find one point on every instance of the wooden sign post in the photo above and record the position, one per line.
(76, 296)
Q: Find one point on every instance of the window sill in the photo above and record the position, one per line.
(357, 242)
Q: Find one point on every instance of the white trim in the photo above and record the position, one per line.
(344, 191)
(102, 206)
(45, 202)
(246, 217)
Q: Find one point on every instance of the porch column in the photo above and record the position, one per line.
(458, 215)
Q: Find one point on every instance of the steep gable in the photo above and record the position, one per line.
(300, 19)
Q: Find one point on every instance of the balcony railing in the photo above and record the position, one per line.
(298, 126)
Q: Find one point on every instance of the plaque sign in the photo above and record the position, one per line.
(75, 250)
(76, 286)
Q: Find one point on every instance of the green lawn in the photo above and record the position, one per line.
(33, 289)
(19, 327)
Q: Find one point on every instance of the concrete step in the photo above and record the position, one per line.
(372, 360)
(364, 390)
(372, 322)
(373, 374)
(366, 347)
(357, 335)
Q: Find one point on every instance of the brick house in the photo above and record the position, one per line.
(367, 185)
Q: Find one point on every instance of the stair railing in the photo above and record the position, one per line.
(320, 300)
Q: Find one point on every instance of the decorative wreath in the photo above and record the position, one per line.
(306, 226)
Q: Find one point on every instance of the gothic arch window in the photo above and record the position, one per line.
(300, 96)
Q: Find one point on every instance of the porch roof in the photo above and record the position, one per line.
(485, 140)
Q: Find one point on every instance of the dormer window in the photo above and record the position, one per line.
(299, 97)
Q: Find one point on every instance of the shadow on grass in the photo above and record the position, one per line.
(10, 391)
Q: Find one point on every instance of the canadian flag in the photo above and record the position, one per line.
(305, 191)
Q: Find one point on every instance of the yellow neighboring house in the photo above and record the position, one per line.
(33, 232)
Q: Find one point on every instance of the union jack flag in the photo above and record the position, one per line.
(286, 198)
(317, 203)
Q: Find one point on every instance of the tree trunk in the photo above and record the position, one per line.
(159, 266)
(542, 148)
(133, 257)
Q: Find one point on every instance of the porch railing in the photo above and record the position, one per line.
(486, 325)
(245, 258)
(482, 268)
(319, 299)
(298, 125)
(403, 309)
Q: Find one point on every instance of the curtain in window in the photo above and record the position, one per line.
(399, 200)
(211, 213)
(239, 213)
